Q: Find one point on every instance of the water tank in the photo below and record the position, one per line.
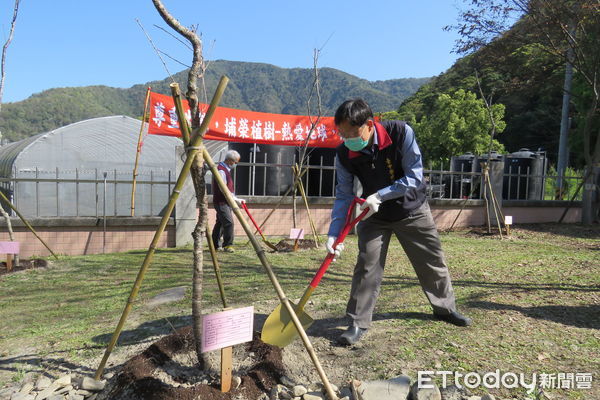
(524, 173)
(269, 172)
(319, 181)
(459, 186)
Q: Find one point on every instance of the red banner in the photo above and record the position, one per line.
(233, 125)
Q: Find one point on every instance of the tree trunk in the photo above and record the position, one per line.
(198, 234)
(197, 170)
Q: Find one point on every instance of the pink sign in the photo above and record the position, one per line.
(227, 328)
(9, 247)
(297, 233)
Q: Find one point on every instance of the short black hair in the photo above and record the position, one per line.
(355, 111)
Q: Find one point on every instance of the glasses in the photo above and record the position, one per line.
(350, 131)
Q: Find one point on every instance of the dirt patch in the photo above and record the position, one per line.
(168, 370)
(23, 265)
(288, 245)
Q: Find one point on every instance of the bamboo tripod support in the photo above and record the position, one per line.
(485, 176)
(27, 224)
(287, 192)
(257, 247)
(300, 187)
(195, 145)
(263, 259)
(138, 152)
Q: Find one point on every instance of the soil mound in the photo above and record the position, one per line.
(168, 369)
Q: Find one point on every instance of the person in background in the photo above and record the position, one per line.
(387, 161)
(224, 225)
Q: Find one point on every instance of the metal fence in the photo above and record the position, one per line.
(97, 193)
(252, 179)
(86, 193)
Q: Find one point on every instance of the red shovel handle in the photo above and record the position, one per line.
(347, 227)
(245, 207)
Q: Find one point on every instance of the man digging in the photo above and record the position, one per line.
(387, 161)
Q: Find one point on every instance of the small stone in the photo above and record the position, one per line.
(84, 393)
(63, 381)
(313, 396)
(75, 396)
(6, 393)
(299, 390)
(474, 398)
(92, 385)
(29, 377)
(64, 390)
(397, 388)
(46, 393)
(42, 382)
(56, 397)
(432, 393)
(236, 381)
(109, 375)
(287, 381)
(453, 392)
(488, 397)
(26, 388)
(22, 396)
(345, 392)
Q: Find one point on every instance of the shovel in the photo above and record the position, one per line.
(271, 245)
(278, 329)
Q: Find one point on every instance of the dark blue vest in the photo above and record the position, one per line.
(382, 168)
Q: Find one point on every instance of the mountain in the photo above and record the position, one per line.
(252, 86)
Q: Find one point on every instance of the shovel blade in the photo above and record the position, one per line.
(279, 329)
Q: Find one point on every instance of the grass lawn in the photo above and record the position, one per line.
(534, 298)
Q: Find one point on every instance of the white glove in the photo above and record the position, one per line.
(338, 249)
(239, 201)
(372, 202)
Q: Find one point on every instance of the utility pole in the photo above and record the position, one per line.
(563, 152)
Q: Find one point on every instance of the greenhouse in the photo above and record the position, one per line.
(86, 169)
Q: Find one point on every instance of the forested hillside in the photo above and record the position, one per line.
(253, 86)
(526, 79)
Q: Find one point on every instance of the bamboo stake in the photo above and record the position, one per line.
(494, 202)
(275, 208)
(27, 224)
(310, 220)
(138, 152)
(261, 255)
(185, 128)
(215, 260)
(195, 146)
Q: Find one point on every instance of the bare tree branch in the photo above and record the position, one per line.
(5, 48)
(174, 37)
(158, 52)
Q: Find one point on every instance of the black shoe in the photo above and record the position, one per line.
(352, 335)
(454, 318)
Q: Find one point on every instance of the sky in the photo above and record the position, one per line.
(63, 43)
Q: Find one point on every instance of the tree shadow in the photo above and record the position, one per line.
(148, 329)
(587, 316)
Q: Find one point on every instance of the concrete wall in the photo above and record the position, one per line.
(77, 236)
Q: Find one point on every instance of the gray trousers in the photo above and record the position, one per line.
(419, 238)
(223, 226)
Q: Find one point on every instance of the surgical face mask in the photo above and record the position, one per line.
(356, 143)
